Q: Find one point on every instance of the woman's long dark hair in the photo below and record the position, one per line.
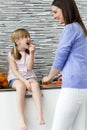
(70, 12)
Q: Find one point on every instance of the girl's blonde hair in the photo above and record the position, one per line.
(17, 34)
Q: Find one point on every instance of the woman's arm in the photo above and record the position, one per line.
(62, 52)
(51, 75)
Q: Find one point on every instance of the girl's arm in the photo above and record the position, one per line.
(13, 68)
(31, 57)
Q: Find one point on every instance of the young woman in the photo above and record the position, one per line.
(21, 74)
(71, 59)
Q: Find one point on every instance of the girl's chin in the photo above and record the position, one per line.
(27, 47)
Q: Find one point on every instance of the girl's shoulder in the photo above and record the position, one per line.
(10, 56)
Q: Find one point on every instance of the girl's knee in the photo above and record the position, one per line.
(21, 88)
(18, 85)
(35, 85)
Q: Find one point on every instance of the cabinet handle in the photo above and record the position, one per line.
(30, 96)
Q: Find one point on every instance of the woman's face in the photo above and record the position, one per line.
(58, 15)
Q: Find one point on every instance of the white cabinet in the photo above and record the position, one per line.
(9, 115)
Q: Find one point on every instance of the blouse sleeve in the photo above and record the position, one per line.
(66, 42)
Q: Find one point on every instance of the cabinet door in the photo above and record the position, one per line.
(9, 114)
(49, 99)
(8, 111)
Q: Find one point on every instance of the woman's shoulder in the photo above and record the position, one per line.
(75, 26)
(73, 29)
(68, 30)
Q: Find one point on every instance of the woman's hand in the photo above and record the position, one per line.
(51, 75)
(46, 79)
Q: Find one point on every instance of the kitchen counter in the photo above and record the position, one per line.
(42, 88)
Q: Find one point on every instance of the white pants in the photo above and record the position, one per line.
(70, 110)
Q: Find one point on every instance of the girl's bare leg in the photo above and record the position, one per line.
(21, 89)
(38, 100)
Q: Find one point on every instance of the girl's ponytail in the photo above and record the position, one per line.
(15, 53)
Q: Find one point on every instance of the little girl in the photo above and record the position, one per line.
(21, 75)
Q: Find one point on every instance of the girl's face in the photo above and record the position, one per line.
(58, 15)
(24, 43)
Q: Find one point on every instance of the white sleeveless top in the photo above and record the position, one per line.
(21, 66)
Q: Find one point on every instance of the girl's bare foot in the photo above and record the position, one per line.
(23, 127)
(42, 122)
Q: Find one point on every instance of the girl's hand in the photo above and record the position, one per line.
(32, 48)
(28, 84)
